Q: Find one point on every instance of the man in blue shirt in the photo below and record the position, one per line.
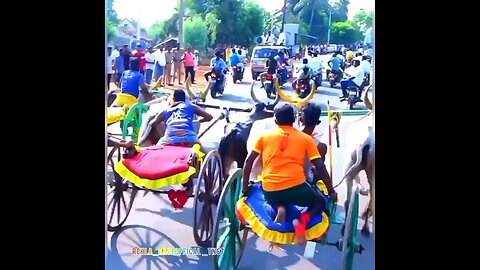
(217, 63)
(234, 59)
(335, 64)
(132, 84)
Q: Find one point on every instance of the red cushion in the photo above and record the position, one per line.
(156, 162)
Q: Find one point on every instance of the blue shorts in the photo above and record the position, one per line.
(148, 76)
(159, 70)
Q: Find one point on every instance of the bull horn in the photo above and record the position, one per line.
(188, 90)
(368, 103)
(253, 94)
(282, 94)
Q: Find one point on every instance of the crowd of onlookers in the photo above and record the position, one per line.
(162, 63)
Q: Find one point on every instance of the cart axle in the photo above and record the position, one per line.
(358, 247)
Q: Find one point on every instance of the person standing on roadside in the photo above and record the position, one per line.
(189, 63)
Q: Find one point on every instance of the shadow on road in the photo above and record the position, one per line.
(134, 236)
(235, 98)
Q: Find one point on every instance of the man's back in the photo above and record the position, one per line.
(234, 59)
(335, 62)
(283, 152)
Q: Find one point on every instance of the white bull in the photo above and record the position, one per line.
(361, 157)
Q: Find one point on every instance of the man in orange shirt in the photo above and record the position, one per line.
(283, 152)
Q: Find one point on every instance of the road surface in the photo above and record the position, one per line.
(154, 222)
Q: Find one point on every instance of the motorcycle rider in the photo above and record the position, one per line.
(272, 65)
(243, 60)
(316, 64)
(304, 74)
(366, 66)
(335, 65)
(355, 75)
(217, 63)
(234, 58)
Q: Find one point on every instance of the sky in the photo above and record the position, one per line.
(159, 10)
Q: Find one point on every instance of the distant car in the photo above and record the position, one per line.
(331, 48)
(260, 55)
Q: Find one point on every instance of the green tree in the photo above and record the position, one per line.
(158, 31)
(195, 33)
(212, 24)
(346, 33)
(111, 20)
(363, 19)
(111, 28)
(250, 25)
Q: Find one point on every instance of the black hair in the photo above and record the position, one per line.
(239, 51)
(233, 50)
(305, 61)
(179, 95)
(311, 114)
(135, 63)
(218, 53)
(358, 54)
(284, 115)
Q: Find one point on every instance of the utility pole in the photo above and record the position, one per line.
(180, 23)
(284, 9)
(329, 25)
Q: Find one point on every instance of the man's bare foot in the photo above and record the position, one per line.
(300, 230)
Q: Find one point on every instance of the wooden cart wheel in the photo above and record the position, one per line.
(226, 232)
(206, 198)
(120, 196)
(134, 119)
(350, 246)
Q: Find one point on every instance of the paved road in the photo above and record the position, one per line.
(153, 221)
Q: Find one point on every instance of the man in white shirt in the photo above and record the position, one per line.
(160, 62)
(149, 64)
(353, 77)
(115, 53)
(110, 64)
(365, 65)
(196, 60)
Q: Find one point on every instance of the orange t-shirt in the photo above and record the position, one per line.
(283, 153)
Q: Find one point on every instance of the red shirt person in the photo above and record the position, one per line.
(141, 54)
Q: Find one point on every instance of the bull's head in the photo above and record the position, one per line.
(257, 101)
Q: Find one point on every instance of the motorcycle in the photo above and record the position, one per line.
(217, 83)
(237, 74)
(354, 93)
(334, 78)
(302, 87)
(269, 85)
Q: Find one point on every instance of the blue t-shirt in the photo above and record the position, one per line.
(234, 59)
(179, 117)
(119, 64)
(218, 64)
(336, 62)
(131, 81)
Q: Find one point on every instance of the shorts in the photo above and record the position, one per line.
(125, 99)
(305, 195)
(148, 75)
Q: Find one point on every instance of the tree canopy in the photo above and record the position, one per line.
(346, 33)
